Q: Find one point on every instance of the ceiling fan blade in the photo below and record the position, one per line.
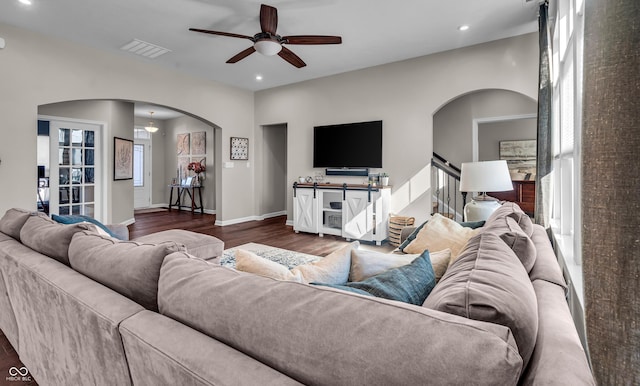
(206, 31)
(268, 19)
(242, 55)
(290, 57)
(312, 39)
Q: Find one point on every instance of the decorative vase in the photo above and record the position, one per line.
(384, 181)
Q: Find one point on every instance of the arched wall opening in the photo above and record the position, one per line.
(119, 118)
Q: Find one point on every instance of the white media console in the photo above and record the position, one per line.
(358, 212)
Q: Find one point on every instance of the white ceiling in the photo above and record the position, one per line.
(374, 32)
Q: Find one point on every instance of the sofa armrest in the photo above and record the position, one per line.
(120, 230)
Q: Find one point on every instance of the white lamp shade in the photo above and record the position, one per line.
(267, 47)
(485, 176)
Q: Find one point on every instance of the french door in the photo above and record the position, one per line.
(76, 171)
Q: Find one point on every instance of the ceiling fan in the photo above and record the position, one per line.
(269, 43)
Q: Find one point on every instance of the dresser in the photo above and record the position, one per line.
(523, 194)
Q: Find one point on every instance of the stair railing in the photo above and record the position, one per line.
(445, 177)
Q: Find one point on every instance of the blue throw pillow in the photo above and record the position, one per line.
(412, 236)
(410, 283)
(74, 219)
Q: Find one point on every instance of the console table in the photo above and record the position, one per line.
(190, 191)
(352, 211)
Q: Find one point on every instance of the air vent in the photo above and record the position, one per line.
(145, 49)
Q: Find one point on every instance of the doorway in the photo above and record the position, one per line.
(75, 168)
(142, 173)
(274, 170)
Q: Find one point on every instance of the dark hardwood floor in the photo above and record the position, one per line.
(273, 232)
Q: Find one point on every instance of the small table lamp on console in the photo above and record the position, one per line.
(482, 177)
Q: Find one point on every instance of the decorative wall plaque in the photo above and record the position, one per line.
(239, 148)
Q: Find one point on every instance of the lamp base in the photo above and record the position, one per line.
(480, 208)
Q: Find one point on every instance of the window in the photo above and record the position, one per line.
(566, 69)
(138, 165)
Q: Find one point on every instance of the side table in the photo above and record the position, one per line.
(190, 191)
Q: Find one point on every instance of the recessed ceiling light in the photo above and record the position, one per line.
(25, 2)
(258, 77)
(463, 28)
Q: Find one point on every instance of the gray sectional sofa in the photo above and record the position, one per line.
(81, 308)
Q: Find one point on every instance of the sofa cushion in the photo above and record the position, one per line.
(333, 268)
(199, 245)
(488, 282)
(546, 266)
(441, 233)
(318, 335)
(510, 232)
(13, 221)
(366, 263)
(511, 209)
(409, 283)
(127, 267)
(75, 219)
(50, 238)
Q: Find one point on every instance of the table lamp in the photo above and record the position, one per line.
(482, 177)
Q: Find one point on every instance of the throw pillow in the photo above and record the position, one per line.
(247, 261)
(414, 234)
(489, 283)
(365, 264)
(441, 233)
(410, 283)
(333, 268)
(75, 219)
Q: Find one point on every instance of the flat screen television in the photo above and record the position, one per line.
(349, 145)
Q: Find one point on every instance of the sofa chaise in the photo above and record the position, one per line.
(83, 308)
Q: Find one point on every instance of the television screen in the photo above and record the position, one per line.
(350, 145)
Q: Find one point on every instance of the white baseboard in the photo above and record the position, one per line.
(249, 218)
(128, 222)
(289, 223)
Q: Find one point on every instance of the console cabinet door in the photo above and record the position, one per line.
(305, 211)
(357, 216)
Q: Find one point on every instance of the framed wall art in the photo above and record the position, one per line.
(182, 144)
(122, 159)
(521, 158)
(239, 148)
(199, 143)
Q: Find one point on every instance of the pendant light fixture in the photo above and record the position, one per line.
(151, 128)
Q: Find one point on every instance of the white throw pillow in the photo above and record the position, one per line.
(365, 264)
(332, 269)
(441, 233)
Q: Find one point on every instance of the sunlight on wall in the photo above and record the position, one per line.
(410, 191)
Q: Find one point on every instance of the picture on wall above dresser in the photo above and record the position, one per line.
(521, 158)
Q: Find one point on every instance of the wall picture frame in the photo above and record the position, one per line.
(521, 158)
(122, 159)
(239, 148)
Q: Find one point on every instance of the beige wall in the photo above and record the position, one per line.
(491, 133)
(404, 95)
(186, 124)
(37, 70)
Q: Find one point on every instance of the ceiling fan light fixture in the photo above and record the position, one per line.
(151, 128)
(267, 47)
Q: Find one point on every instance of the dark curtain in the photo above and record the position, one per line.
(544, 155)
(611, 189)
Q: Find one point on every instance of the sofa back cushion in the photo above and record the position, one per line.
(50, 238)
(127, 267)
(319, 335)
(488, 282)
(13, 221)
(511, 209)
(510, 232)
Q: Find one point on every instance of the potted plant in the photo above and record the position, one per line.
(384, 179)
(301, 179)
